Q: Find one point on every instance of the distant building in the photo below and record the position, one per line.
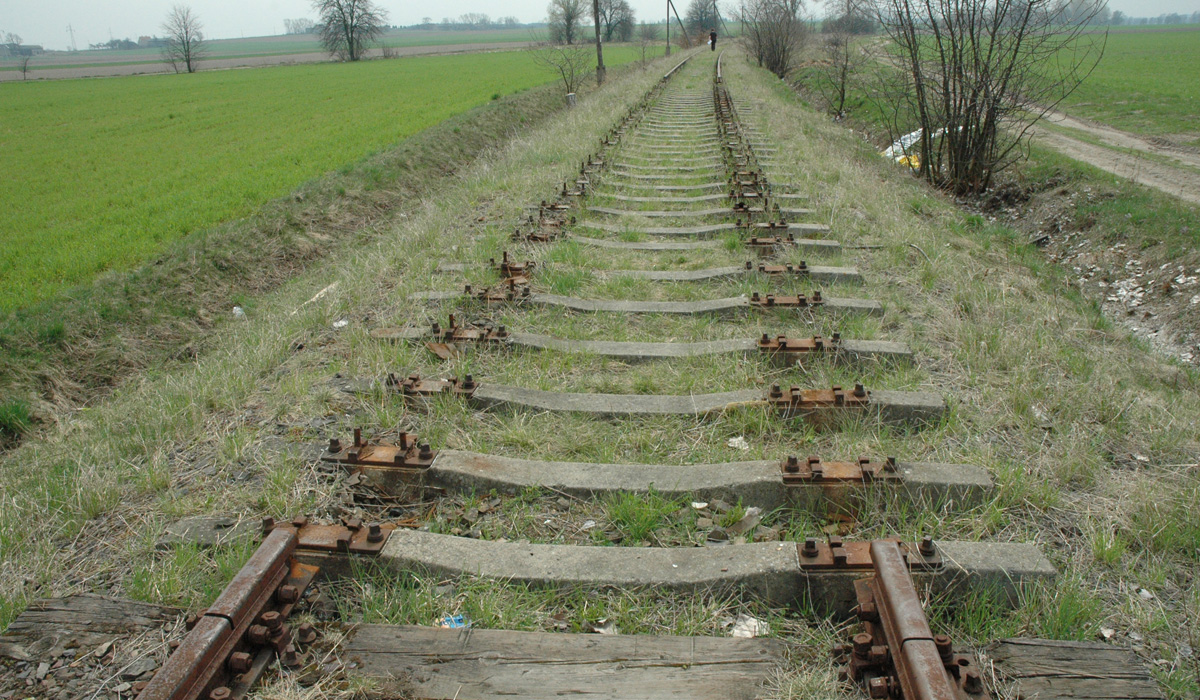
(10, 51)
(151, 42)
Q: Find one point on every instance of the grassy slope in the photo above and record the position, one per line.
(1083, 429)
(1146, 84)
(115, 169)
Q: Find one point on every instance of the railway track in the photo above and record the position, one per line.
(674, 247)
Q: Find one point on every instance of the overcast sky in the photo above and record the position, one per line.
(45, 21)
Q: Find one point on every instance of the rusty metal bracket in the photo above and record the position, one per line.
(797, 400)
(407, 453)
(836, 555)
(773, 301)
(512, 270)
(232, 643)
(513, 289)
(794, 348)
(898, 656)
(350, 536)
(788, 269)
(479, 332)
(762, 225)
(812, 471)
(414, 385)
(768, 243)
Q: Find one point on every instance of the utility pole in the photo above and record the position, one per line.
(599, 48)
(668, 27)
(71, 31)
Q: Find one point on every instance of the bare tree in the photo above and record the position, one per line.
(774, 32)
(843, 59)
(349, 27)
(617, 20)
(702, 16)
(647, 38)
(648, 31)
(10, 43)
(184, 47)
(570, 62)
(302, 25)
(565, 18)
(977, 74)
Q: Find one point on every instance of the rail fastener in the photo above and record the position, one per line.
(898, 655)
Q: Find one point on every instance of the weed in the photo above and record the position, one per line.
(15, 419)
(636, 517)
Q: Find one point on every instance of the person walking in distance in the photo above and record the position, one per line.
(712, 39)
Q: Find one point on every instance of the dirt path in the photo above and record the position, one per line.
(148, 68)
(1122, 155)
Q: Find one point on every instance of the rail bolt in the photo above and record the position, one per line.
(306, 633)
(239, 662)
(426, 452)
(944, 646)
(973, 683)
(374, 533)
(926, 547)
(258, 635)
(221, 693)
(878, 687)
(810, 547)
(287, 594)
(792, 465)
(862, 645)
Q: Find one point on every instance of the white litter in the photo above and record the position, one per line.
(340, 324)
(749, 627)
(239, 312)
(739, 443)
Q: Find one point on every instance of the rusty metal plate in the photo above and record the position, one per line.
(797, 399)
(414, 385)
(477, 332)
(788, 269)
(783, 345)
(406, 453)
(812, 471)
(773, 301)
(513, 289)
(770, 241)
(836, 554)
(351, 536)
(764, 225)
(512, 269)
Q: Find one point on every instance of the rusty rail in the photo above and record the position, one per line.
(231, 644)
(898, 656)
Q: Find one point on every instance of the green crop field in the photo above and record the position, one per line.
(282, 45)
(1147, 84)
(101, 174)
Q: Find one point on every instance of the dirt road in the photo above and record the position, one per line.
(103, 71)
(1124, 154)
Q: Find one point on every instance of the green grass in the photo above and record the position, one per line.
(115, 169)
(1146, 83)
(15, 419)
(279, 46)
